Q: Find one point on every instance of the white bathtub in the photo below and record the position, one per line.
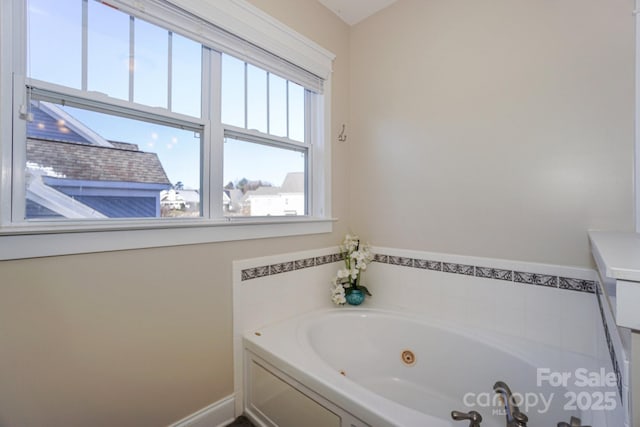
(353, 359)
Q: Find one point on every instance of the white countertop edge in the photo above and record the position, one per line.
(619, 253)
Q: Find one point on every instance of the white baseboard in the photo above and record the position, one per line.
(218, 414)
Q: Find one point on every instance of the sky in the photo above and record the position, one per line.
(273, 105)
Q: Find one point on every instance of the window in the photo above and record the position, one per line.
(266, 150)
(144, 114)
(84, 164)
(280, 169)
(91, 157)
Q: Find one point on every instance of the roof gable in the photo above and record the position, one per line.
(53, 123)
(62, 145)
(94, 163)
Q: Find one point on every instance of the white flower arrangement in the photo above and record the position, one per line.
(356, 258)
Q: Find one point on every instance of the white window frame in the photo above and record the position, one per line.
(636, 162)
(27, 240)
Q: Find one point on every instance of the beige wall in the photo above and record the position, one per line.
(494, 128)
(142, 338)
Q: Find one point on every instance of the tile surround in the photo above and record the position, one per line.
(519, 277)
(515, 274)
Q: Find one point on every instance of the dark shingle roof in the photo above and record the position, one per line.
(51, 143)
(96, 163)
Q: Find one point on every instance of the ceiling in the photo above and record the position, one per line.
(354, 11)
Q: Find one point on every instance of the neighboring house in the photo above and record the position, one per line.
(73, 172)
(232, 200)
(285, 200)
(187, 200)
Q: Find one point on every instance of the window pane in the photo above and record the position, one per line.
(296, 112)
(256, 98)
(85, 164)
(186, 76)
(108, 51)
(151, 65)
(263, 180)
(55, 41)
(233, 91)
(277, 106)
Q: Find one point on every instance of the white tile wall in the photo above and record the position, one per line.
(556, 317)
(272, 298)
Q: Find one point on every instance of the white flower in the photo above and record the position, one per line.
(350, 243)
(356, 257)
(337, 295)
(343, 273)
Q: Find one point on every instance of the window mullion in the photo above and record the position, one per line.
(169, 69)
(132, 60)
(246, 95)
(287, 109)
(18, 193)
(267, 102)
(99, 102)
(85, 44)
(309, 112)
(214, 143)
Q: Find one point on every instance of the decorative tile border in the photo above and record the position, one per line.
(520, 277)
(284, 267)
(380, 258)
(612, 350)
(535, 279)
(450, 267)
(494, 273)
(398, 260)
(304, 263)
(324, 259)
(484, 272)
(427, 265)
(578, 284)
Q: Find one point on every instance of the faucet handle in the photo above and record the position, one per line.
(474, 418)
(520, 418)
(575, 422)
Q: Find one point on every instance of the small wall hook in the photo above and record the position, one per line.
(342, 137)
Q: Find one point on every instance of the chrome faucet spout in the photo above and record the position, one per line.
(515, 418)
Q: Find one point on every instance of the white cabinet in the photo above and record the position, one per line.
(274, 399)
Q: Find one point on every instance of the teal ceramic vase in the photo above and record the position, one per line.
(355, 297)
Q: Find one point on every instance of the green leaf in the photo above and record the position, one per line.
(366, 291)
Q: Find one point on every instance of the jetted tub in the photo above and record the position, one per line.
(391, 369)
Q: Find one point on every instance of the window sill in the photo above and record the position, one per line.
(34, 242)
